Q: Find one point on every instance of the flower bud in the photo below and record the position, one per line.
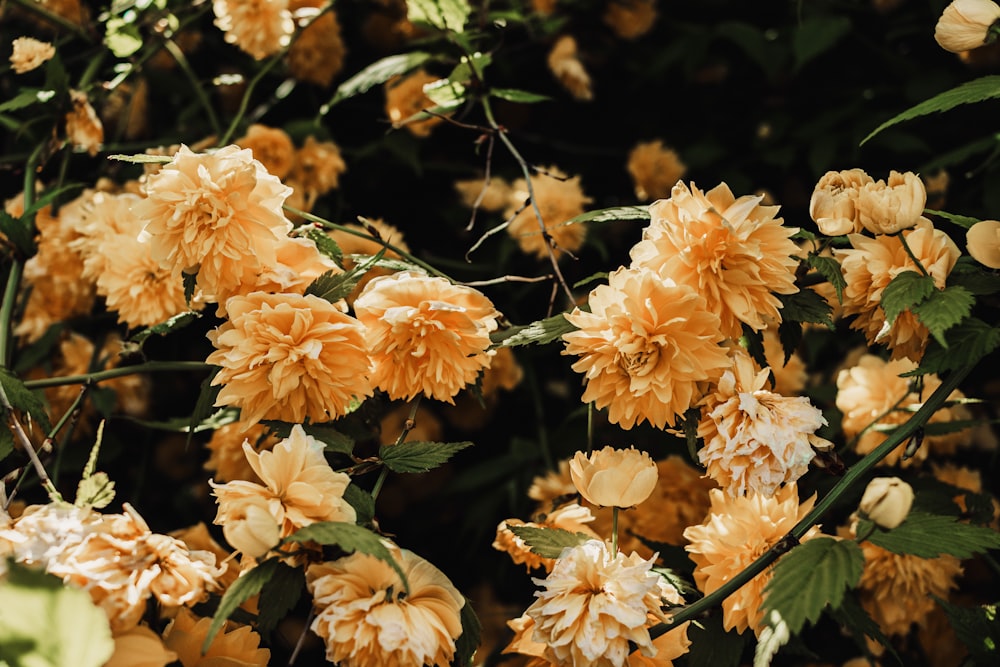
(614, 477)
(254, 531)
(887, 501)
(983, 243)
(965, 24)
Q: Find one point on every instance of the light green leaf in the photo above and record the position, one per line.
(442, 14)
(811, 576)
(978, 90)
(537, 333)
(419, 456)
(44, 623)
(470, 68)
(335, 286)
(445, 93)
(976, 627)
(350, 538)
(96, 491)
(774, 635)
(806, 306)
(930, 535)
(548, 542)
(905, 291)
(24, 399)
(278, 595)
(389, 263)
(960, 220)
(612, 214)
(943, 309)
(141, 158)
(376, 74)
(122, 38)
(516, 95)
(816, 35)
(245, 587)
(829, 268)
(968, 342)
(178, 321)
(27, 97)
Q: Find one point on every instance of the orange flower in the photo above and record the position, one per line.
(644, 346)
(140, 647)
(227, 459)
(215, 214)
(733, 252)
(833, 206)
(566, 67)
(318, 53)
(404, 97)
(558, 199)
(554, 484)
(289, 357)
(571, 517)
(871, 264)
(426, 335)
(271, 146)
(351, 244)
(259, 27)
(630, 19)
(612, 477)
(983, 243)
(83, 128)
(965, 25)
(234, 645)
(886, 207)
(29, 53)
(318, 166)
(367, 619)
(737, 530)
(655, 169)
(493, 196)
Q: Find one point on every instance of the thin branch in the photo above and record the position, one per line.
(98, 376)
(509, 279)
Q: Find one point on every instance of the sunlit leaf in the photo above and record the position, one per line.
(548, 542)
(442, 14)
(376, 74)
(537, 333)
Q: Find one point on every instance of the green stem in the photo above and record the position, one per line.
(14, 424)
(196, 86)
(7, 310)
(98, 376)
(411, 421)
(590, 427)
(853, 475)
(913, 257)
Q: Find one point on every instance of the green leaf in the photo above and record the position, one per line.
(326, 245)
(943, 309)
(245, 587)
(335, 286)
(811, 576)
(178, 321)
(441, 14)
(142, 158)
(44, 623)
(121, 37)
(969, 274)
(905, 291)
(376, 74)
(23, 399)
(960, 220)
(548, 542)
(472, 631)
(814, 36)
(541, 332)
(362, 502)
(612, 214)
(829, 268)
(419, 456)
(350, 538)
(190, 281)
(978, 90)
(279, 595)
(712, 645)
(96, 491)
(851, 615)
(27, 97)
(977, 628)
(445, 93)
(470, 68)
(968, 342)
(517, 95)
(930, 535)
(806, 305)
(206, 401)
(20, 232)
(217, 419)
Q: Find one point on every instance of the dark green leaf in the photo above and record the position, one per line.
(811, 576)
(362, 502)
(612, 214)
(279, 595)
(350, 538)
(943, 309)
(541, 332)
(205, 404)
(520, 96)
(176, 322)
(712, 645)
(816, 35)
(6, 443)
(469, 640)
(335, 286)
(790, 336)
(326, 245)
(984, 88)
(829, 268)
(419, 456)
(970, 274)
(376, 74)
(976, 627)
(20, 232)
(753, 342)
(26, 98)
(24, 399)
(905, 291)
(548, 542)
(968, 342)
(960, 220)
(852, 616)
(441, 14)
(190, 281)
(241, 590)
(930, 535)
(806, 305)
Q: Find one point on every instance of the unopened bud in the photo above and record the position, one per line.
(887, 501)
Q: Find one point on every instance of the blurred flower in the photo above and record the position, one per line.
(125, 111)
(571, 517)
(594, 604)
(271, 146)
(226, 457)
(318, 166)
(29, 53)
(733, 252)
(289, 357)
(366, 618)
(886, 207)
(936, 185)
(218, 214)
(426, 426)
(554, 484)
(317, 55)
(966, 24)
(630, 19)
(789, 376)
(871, 264)
(140, 647)
(259, 27)
(544, 7)
(559, 199)
(496, 194)
(655, 169)
(83, 128)
(404, 97)
(426, 335)
(833, 205)
(983, 243)
(644, 347)
(737, 530)
(351, 244)
(755, 439)
(234, 645)
(612, 477)
(887, 501)
(566, 67)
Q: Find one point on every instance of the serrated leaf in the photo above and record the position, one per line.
(335, 286)
(960, 220)
(20, 232)
(790, 337)
(96, 491)
(332, 439)
(279, 595)
(905, 291)
(445, 94)
(541, 332)
(326, 245)
(968, 342)
(811, 576)
(612, 214)
(442, 14)
(470, 68)
(806, 305)
(350, 538)
(121, 37)
(362, 502)
(548, 542)
(390, 263)
(469, 640)
(976, 627)
(203, 407)
(969, 274)
(519, 96)
(245, 587)
(943, 309)
(814, 36)
(829, 268)
(978, 90)
(25, 400)
(178, 321)
(26, 98)
(376, 74)
(419, 456)
(930, 535)
(44, 623)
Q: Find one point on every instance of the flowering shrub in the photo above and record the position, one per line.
(424, 332)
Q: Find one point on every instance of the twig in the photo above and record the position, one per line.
(509, 279)
(98, 376)
(411, 421)
(15, 425)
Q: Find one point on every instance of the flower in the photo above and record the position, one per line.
(559, 199)
(234, 645)
(492, 196)
(630, 19)
(352, 244)
(789, 376)
(871, 264)
(404, 97)
(426, 335)
(655, 169)
(553, 485)
(289, 357)
(566, 67)
(965, 25)
(594, 603)
(83, 128)
(983, 243)
(298, 487)
(29, 53)
(833, 205)
(887, 501)
(733, 252)
(318, 166)
(571, 517)
(367, 619)
(317, 55)
(226, 457)
(886, 207)
(215, 214)
(140, 647)
(259, 27)
(644, 346)
(612, 477)
(737, 530)
(755, 439)
(271, 146)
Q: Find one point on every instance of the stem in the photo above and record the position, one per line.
(411, 421)
(98, 376)
(52, 17)
(854, 474)
(913, 257)
(15, 425)
(7, 309)
(590, 427)
(199, 91)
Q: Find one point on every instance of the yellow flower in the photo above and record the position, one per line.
(271, 146)
(426, 335)
(559, 199)
(630, 19)
(318, 53)
(886, 207)
(612, 477)
(789, 377)
(566, 67)
(226, 457)
(655, 169)
(351, 244)
(218, 214)
(29, 53)
(318, 166)
(493, 196)
(571, 517)
(965, 25)
(234, 645)
(833, 205)
(737, 530)
(755, 439)
(644, 347)
(289, 357)
(887, 501)
(367, 619)
(983, 243)
(733, 252)
(594, 604)
(83, 128)
(140, 647)
(404, 97)
(259, 27)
